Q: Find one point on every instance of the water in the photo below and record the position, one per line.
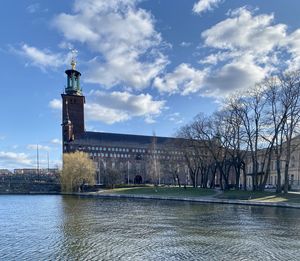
(69, 228)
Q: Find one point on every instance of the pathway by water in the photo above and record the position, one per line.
(71, 228)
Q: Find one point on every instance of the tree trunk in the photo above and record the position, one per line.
(178, 180)
(286, 167)
(278, 188)
(237, 178)
(245, 180)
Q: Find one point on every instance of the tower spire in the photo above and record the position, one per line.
(73, 61)
(73, 105)
(73, 77)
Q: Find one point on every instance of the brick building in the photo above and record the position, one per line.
(138, 159)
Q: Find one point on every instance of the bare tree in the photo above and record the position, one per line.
(112, 177)
(283, 95)
(196, 156)
(258, 125)
(290, 84)
(153, 162)
(235, 138)
(207, 135)
(251, 112)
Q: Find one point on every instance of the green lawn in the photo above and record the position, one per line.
(165, 191)
(192, 192)
(260, 196)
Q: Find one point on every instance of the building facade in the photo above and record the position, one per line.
(138, 158)
(272, 181)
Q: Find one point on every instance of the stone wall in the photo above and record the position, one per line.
(29, 184)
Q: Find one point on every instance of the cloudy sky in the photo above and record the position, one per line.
(147, 65)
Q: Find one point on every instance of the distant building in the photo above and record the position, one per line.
(5, 172)
(138, 158)
(293, 170)
(35, 171)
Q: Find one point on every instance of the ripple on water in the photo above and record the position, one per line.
(66, 228)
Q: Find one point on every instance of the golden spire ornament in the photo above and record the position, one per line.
(73, 61)
(73, 64)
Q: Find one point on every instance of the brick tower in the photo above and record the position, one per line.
(72, 108)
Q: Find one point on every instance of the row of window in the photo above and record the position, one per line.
(96, 148)
(128, 166)
(100, 148)
(117, 155)
(111, 155)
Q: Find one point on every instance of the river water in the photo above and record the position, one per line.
(70, 228)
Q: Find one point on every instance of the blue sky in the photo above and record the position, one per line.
(148, 65)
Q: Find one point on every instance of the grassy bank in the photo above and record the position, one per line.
(260, 196)
(165, 191)
(190, 192)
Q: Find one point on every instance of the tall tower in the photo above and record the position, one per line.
(73, 107)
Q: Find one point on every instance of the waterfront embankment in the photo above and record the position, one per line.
(269, 199)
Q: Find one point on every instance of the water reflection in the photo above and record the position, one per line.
(94, 229)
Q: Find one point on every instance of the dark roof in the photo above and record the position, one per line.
(116, 137)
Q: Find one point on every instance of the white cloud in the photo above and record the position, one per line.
(122, 38)
(33, 8)
(97, 112)
(118, 106)
(56, 141)
(55, 104)
(66, 45)
(245, 31)
(35, 147)
(243, 50)
(12, 160)
(184, 80)
(123, 71)
(121, 106)
(175, 118)
(205, 5)
(42, 58)
(215, 58)
(242, 73)
(185, 44)
(293, 45)
(150, 119)
(248, 48)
